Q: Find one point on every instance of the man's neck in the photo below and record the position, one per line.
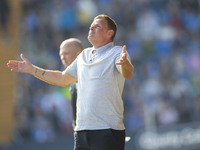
(100, 44)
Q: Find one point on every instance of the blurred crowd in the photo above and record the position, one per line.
(162, 38)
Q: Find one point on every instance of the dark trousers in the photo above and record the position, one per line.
(107, 139)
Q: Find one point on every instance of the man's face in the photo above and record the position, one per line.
(98, 31)
(67, 54)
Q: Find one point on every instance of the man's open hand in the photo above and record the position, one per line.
(123, 57)
(20, 66)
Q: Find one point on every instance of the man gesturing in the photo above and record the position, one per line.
(100, 71)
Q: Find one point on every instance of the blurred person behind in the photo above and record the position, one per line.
(69, 50)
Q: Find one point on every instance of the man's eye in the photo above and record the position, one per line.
(94, 27)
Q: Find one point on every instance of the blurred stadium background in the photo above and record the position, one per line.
(162, 100)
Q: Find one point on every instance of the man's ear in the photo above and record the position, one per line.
(110, 33)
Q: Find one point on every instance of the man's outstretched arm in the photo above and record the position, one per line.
(125, 68)
(49, 76)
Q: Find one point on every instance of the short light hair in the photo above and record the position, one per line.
(76, 43)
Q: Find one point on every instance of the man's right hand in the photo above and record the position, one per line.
(21, 66)
(50, 76)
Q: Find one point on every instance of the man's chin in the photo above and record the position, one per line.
(90, 38)
(65, 65)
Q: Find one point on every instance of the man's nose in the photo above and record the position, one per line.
(91, 28)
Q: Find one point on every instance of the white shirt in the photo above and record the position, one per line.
(100, 84)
